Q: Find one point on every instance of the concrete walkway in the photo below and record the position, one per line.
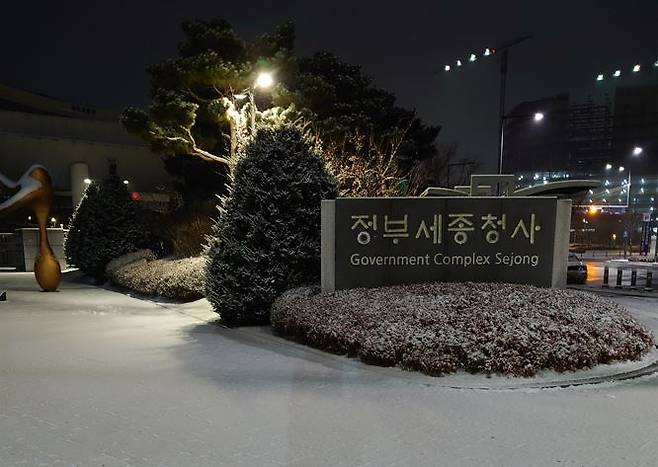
(92, 377)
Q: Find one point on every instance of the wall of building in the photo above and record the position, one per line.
(59, 142)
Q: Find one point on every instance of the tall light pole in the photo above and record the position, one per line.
(536, 117)
(504, 51)
(264, 80)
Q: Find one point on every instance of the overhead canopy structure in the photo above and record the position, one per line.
(503, 185)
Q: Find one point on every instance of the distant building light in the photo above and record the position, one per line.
(637, 150)
(636, 68)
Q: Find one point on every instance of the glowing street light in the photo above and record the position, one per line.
(446, 68)
(608, 166)
(459, 63)
(472, 58)
(637, 150)
(617, 73)
(487, 52)
(538, 117)
(599, 77)
(126, 182)
(87, 181)
(264, 80)
(621, 168)
(636, 68)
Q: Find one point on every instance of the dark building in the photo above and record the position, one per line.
(615, 144)
(535, 136)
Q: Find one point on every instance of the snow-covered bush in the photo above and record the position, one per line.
(105, 225)
(121, 261)
(486, 327)
(180, 279)
(267, 238)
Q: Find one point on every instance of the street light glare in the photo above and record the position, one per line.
(446, 68)
(264, 80)
(459, 63)
(87, 181)
(637, 150)
(472, 58)
(487, 52)
(539, 116)
(621, 168)
(599, 77)
(636, 68)
(126, 182)
(608, 166)
(617, 73)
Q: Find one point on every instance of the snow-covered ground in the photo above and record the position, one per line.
(92, 377)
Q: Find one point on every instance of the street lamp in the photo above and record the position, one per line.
(264, 80)
(537, 118)
(637, 150)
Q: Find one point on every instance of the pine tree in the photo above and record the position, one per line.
(267, 238)
(105, 225)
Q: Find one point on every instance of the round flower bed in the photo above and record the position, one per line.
(482, 328)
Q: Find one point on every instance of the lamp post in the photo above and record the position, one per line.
(264, 80)
(537, 118)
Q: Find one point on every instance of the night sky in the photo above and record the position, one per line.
(96, 55)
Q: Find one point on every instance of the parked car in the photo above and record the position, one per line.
(576, 270)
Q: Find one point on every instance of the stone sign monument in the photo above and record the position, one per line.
(370, 242)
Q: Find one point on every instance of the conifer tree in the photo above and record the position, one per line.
(267, 238)
(105, 225)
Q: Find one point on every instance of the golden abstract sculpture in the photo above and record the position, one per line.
(35, 191)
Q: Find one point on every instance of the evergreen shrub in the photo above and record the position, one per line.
(267, 237)
(105, 225)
